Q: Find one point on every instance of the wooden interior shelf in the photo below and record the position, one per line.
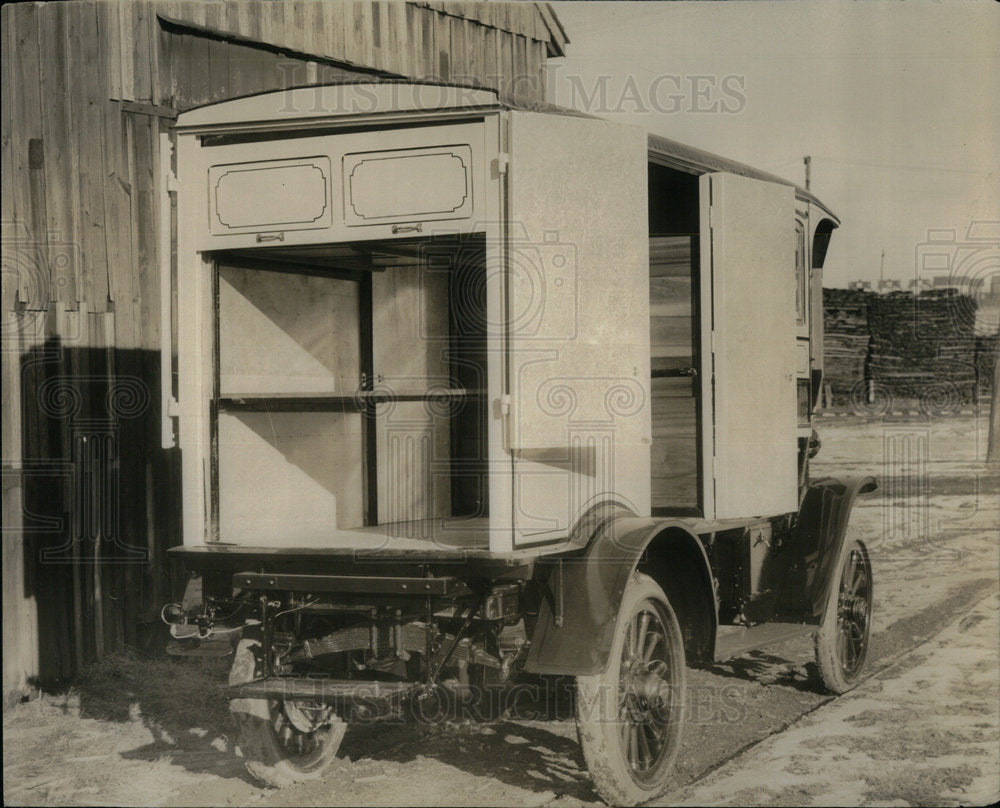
(319, 402)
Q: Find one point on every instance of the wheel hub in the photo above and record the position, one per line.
(306, 716)
(644, 690)
(854, 609)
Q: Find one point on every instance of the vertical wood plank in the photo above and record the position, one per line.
(442, 45)
(20, 618)
(411, 37)
(363, 33)
(194, 12)
(127, 56)
(254, 69)
(215, 15)
(265, 15)
(297, 28)
(522, 80)
(153, 40)
(142, 89)
(218, 69)
(116, 503)
(52, 578)
(116, 204)
(110, 26)
(88, 124)
(404, 45)
(387, 56)
(199, 78)
(429, 45)
(58, 127)
(118, 226)
(277, 9)
(67, 333)
(249, 18)
(167, 67)
(458, 55)
(38, 217)
(25, 109)
(331, 26)
(490, 70)
(94, 325)
(180, 69)
(8, 217)
(538, 67)
(144, 231)
(473, 67)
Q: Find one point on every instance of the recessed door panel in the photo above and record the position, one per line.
(345, 186)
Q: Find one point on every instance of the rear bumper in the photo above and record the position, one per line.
(232, 559)
(328, 691)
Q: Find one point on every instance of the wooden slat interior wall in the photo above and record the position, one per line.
(674, 459)
(88, 90)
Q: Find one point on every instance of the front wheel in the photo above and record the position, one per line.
(282, 741)
(630, 717)
(842, 639)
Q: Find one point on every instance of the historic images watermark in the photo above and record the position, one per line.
(662, 94)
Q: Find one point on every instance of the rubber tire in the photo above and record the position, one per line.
(263, 755)
(834, 678)
(600, 740)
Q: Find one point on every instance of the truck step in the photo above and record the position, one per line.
(735, 640)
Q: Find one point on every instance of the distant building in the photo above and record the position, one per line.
(864, 286)
(889, 285)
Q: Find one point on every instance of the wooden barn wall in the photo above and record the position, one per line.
(91, 503)
(502, 46)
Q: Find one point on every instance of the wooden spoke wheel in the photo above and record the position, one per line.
(842, 639)
(630, 717)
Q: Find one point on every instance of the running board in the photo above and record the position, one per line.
(323, 690)
(740, 639)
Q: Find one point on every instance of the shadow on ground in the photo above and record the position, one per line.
(177, 700)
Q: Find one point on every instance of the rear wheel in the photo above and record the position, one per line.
(842, 639)
(630, 717)
(282, 741)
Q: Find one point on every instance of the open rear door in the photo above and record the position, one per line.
(749, 290)
(578, 322)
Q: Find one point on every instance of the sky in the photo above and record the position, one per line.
(897, 103)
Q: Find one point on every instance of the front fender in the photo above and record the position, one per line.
(816, 543)
(592, 585)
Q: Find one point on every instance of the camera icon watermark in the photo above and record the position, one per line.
(525, 284)
(36, 272)
(970, 266)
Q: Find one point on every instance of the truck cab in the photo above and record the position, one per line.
(467, 392)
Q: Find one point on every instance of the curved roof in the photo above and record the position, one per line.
(699, 161)
(350, 98)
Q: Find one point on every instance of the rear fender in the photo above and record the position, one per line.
(816, 544)
(592, 585)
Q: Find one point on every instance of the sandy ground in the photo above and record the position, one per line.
(921, 730)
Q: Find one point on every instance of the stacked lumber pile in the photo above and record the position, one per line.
(986, 352)
(845, 341)
(923, 348)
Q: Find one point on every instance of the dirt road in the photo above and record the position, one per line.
(921, 730)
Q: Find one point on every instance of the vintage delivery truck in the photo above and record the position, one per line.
(467, 393)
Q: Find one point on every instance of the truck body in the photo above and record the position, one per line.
(467, 392)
